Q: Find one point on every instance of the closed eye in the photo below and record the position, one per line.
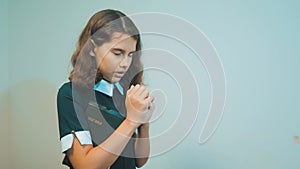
(130, 54)
(117, 53)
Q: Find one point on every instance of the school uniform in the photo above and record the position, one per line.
(71, 107)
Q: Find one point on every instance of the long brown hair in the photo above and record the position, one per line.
(100, 29)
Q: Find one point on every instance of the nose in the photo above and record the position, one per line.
(125, 62)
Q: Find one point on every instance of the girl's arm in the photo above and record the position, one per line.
(142, 145)
(87, 156)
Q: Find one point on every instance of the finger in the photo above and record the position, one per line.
(152, 101)
(144, 94)
(151, 107)
(135, 89)
(149, 100)
(129, 90)
(140, 91)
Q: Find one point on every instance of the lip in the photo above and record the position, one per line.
(119, 74)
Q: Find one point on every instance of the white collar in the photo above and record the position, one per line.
(107, 88)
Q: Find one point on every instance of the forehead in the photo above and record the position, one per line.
(123, 41)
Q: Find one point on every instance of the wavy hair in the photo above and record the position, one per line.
(100, 29)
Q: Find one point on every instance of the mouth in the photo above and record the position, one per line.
(119, 74)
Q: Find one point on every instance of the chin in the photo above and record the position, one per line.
(115, 80)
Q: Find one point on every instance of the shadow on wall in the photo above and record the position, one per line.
(33, 126)
(4, 129)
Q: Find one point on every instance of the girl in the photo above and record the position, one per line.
(106, 68)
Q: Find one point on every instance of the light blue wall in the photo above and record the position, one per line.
(4, 94)
(258, 43)
(4, 46)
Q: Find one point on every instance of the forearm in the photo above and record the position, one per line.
(105, 154)
(142, 145)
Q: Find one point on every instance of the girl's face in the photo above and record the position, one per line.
(115, 57)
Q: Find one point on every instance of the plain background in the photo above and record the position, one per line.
(258, 43)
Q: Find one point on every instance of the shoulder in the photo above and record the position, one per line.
(64, 92)
(66, 88)
(72, 92)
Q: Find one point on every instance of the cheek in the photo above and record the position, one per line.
(109, 64)
(130, 62)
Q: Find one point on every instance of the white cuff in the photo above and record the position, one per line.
(84, 137)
